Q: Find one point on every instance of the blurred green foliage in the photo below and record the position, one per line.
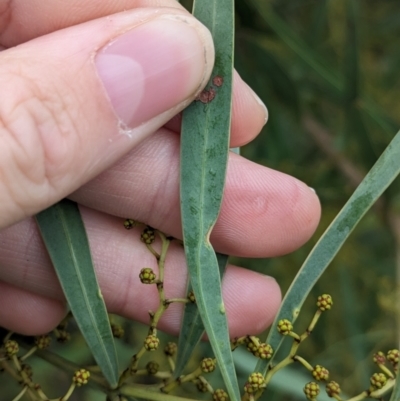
(329, 73)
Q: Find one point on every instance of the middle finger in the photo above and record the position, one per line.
(264, 212)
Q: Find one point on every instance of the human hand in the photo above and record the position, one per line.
(80, 113)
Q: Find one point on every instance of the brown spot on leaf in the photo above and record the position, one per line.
(206, 96)
(218, 80)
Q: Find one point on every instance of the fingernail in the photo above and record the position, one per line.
(154, 67)
(261, 103)
(313, 190)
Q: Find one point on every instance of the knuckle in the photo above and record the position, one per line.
(36, 132)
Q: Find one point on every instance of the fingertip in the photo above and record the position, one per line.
(27, 313)
(308, 213)
(249, 113)
(283, 211)
(252, 301)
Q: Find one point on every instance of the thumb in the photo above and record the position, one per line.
(76, 100)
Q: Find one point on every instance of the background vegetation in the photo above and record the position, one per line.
(329, 72)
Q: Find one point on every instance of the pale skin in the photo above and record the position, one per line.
(55, 127)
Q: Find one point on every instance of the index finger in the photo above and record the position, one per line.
(22, 20)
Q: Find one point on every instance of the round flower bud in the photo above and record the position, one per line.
(393, 356)
(63, 336)
(264, 351)
(324, 302)
(117, 330)
(81, 377)
(43, 342)
(378, 380)
(285, 327)
(152, 367)
(191, 297)
(252, 345)
(311, 390)
(220, 395)
(254, 383)
(151, 343)
(332, 389)
(147, 275)
(379, 358)
(170, 349)
(208, 365)
(147, 236)
(11, 347)
(320, 373)
(130, 223)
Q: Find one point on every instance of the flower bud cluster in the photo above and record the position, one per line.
(151, 342)
(117, 330)
(285, 327)
(254, 383)
(320, 373)
(148, 236)
(378, 380)
(152, 367)
(81, 377)
(130, 223)
(170, 349)
(147, 275)
(379, 358)
(11, 347)
(191, 297)
(220, 395)
(393, 356)
(43, 342)
(311, 390)
(324, 302)
(208, 365)
(332, 389)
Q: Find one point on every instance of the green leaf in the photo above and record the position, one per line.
(376, 181)
(396, 391)
(192, 326)
(64, 235)
(204, 155)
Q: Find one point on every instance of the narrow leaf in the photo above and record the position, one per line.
(192, 328)
(376, 181)
(64, 235)
(396, 391)
(204, 155)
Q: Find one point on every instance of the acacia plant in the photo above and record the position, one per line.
(181, 373)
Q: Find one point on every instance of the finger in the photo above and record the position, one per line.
(23, 21)
(28, 313)
(70, 108)
(39, 17)
(119, 255)
(264, 212)
(249, 114)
